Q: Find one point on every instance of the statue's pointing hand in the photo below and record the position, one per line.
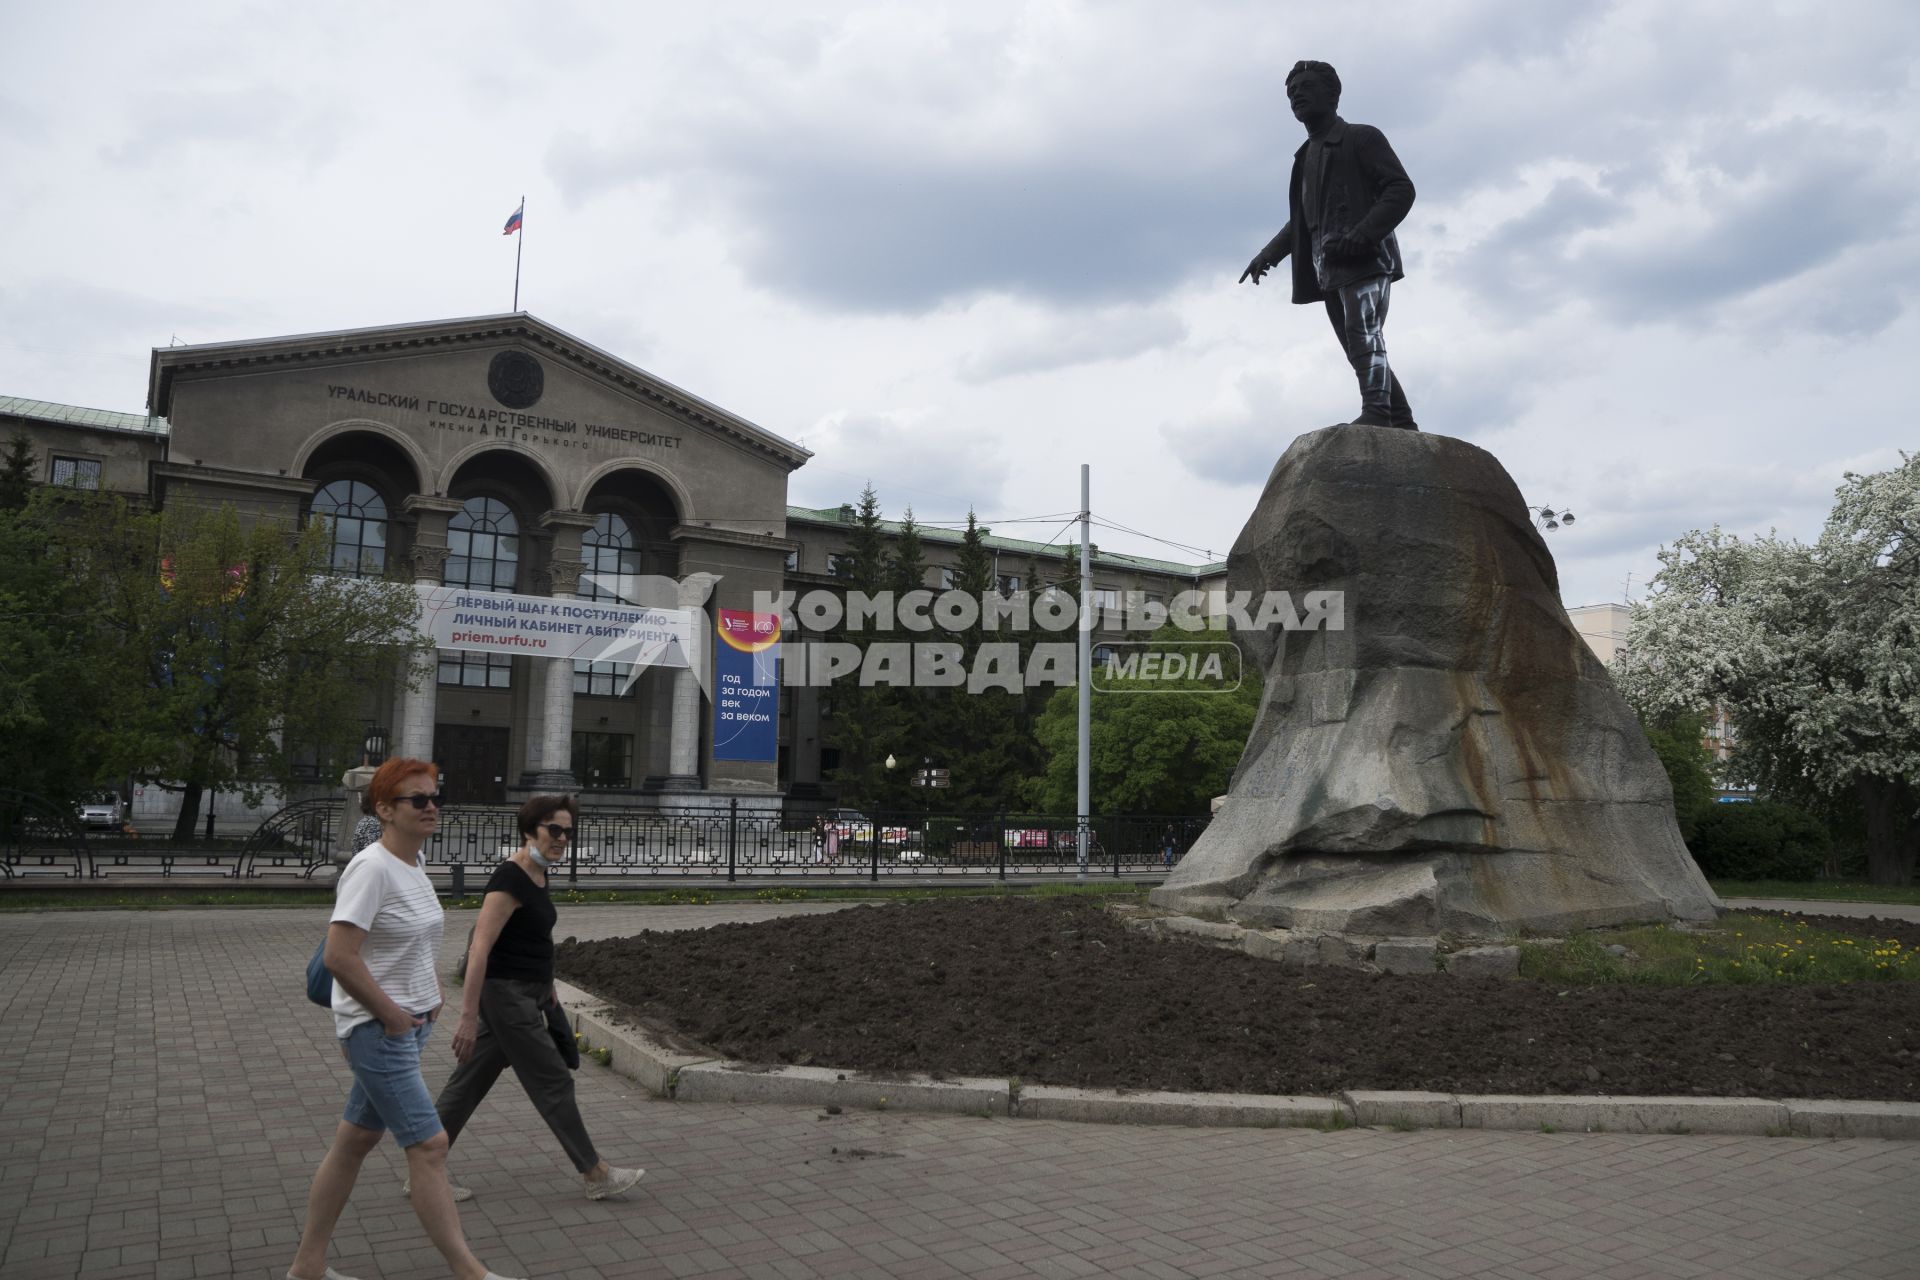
(1255, 269)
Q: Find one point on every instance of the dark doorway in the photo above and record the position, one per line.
(473, 760)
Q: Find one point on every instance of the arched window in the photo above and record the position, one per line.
(483, 546)
(483, 553)
(356, 518)
(607, 554)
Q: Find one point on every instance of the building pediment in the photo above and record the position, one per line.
(351, 346)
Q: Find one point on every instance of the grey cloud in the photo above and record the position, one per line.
(1810, 194)
(1835, 194)
(931, 467)
(1237, 445)
(1072, 339)
(903, 234)
(816, 166)
(257, 118)
(63, 313)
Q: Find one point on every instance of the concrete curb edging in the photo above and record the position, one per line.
(669, 1073)
(1209, 1110)
(823, 1086)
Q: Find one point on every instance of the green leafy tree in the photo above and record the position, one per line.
(1760, 841)
(1678, 741)
(909, 712)
(17, 468)
(987, 737)
(858, 720)
(1814, 651)
(53, 718)
(1154, 746)
(225, 653)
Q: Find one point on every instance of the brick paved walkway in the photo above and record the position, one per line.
(169, 1091)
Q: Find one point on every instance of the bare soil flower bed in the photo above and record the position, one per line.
(1061, 991)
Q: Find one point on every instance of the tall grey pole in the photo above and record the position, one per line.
(1085, 667)
(519, 242)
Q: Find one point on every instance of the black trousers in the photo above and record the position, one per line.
(1358, 312)
(513, 1033)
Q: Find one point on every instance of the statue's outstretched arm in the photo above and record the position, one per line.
(1270, 257)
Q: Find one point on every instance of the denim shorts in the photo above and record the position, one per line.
(388, 1090)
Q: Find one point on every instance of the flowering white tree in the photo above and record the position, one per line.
(1813, 650)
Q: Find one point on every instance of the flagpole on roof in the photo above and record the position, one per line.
(520, 239)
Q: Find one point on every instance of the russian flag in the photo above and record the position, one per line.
(513, 223)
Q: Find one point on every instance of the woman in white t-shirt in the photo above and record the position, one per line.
(386, 994)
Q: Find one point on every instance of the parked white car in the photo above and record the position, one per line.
(100, 812)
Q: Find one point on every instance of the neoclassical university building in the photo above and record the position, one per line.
(499, 454)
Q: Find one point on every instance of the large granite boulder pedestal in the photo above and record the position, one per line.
(1455, 759)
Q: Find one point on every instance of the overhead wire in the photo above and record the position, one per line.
(1207, 552)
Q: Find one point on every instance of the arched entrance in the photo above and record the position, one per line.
(622, 725)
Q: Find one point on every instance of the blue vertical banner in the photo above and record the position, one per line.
(746, 690)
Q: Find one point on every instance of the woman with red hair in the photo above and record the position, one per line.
(386, 994)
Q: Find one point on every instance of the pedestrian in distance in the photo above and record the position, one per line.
(509, 994)
(380, 950)
(367, 830)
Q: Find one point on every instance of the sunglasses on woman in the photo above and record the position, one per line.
(435, 798)
(557, 831)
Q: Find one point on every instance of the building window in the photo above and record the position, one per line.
(476, 670)
(483, 544)
(1104, 655)
(1009, 584)
(356, 519)
(946, 579)
(840, 565)
(603, 760)
(1106, 598)
(76, 473)
(600, 679)
(608, 552)
(793, 562)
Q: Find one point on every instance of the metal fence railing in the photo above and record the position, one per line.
(743, 840)
(740, 842)
(38, 836)
(688, 842)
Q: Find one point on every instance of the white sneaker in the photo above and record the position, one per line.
(616, 1181)
(460, 1195)
(331, 1275)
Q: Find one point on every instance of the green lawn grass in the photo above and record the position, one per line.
(1818, 890)
(1746, 947)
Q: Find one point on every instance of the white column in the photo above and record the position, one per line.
(683, 741)
(417, 707)
(556, 721)
(419, 702)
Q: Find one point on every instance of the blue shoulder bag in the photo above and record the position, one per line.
(319, 980)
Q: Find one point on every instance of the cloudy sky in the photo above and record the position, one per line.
(1661, 263)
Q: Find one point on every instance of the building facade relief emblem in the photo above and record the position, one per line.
(516, 379)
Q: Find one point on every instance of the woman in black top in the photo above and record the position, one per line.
(509, 985)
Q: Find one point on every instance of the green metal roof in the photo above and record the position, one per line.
(74, 415)
(1018, 546)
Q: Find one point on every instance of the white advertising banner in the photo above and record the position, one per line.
(543, 627)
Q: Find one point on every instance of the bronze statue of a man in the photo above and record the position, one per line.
(1347, 194)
